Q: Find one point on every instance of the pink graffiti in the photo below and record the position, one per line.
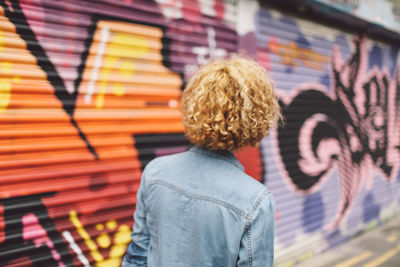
(357, 129)
(33, 231)
(192, 10)
(373, 104)
(219, 8)
(263, 59)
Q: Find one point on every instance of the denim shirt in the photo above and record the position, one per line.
(198, 209)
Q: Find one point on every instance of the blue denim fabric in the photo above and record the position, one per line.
(199, 208)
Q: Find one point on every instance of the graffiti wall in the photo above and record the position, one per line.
(89, 94)
(334, 168)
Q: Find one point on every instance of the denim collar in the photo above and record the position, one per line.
(223, 155)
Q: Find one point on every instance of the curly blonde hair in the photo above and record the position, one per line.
(229, 104)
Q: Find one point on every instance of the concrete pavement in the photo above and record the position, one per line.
(379, 247)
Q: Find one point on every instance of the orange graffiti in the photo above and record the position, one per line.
(292, 55)
(130, 75)
(125, 90)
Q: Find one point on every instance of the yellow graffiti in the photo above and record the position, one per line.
(1, 41)
(292, 55)
(103, 240)
(122, 49)
(117, 250)
(111, 224)
(5, 94)
(73, 216)
(99, 227)
(6, 83)
(6, 67)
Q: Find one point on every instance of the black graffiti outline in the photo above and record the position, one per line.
(23, 29)
(146, 144)
(344, 123)
(14, 246)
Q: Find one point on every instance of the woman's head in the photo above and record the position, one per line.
(229, 104)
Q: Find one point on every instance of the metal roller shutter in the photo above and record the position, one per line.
(89, 93)
(334, 167)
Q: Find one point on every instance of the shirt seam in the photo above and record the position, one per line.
(200, 197)
(250, 250)
(258, 202)
(247, 227)
(143, 190)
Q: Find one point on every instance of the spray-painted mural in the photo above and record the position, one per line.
(89, 94)
(356, 129)
(334, 167)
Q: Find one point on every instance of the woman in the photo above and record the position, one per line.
(199, 208)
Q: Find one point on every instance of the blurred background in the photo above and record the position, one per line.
(90, 93)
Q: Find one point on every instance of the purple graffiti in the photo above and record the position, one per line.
(355, 128)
